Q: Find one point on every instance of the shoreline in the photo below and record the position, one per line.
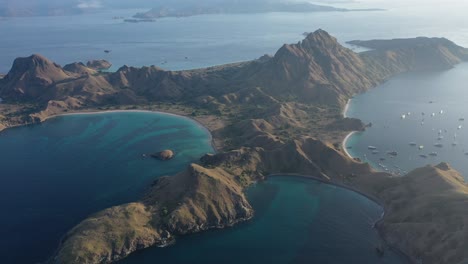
(92, 112)
(97, 112)
(344, 143)
(359, 192)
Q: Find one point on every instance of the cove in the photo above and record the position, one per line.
(436, 103)
(296, 220)
(56, 173)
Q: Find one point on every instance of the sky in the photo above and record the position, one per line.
(423, 5)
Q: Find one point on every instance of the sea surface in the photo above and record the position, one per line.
(209, 39)
(296, 221)
(56, 173)
(437, 106)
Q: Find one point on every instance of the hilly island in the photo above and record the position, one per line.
(278, 114)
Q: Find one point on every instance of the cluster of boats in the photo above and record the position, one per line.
(442, 134)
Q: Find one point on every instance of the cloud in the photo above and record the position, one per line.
(89, 4)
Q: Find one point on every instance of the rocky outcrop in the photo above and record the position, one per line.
(99, 65)
(80, 68)
(163, 155)
(192, 201)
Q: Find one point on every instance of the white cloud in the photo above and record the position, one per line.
(89, 4)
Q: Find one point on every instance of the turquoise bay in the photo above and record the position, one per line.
(56, 173)
(297, 220)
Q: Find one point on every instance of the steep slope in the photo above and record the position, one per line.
(31, 77)
(390, 57)
(427, 215)
(318, 69)
(192, 201)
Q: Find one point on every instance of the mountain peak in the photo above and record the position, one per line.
(319, 38)
(29, 75)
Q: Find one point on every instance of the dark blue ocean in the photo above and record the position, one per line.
(55, 174)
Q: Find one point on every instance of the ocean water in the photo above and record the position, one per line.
(442, 94)
(297, 221)
(56, 173)
(210, 39)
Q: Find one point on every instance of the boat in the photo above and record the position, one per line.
(403, 116)
(461, 119)
(433, 114)
(423, 156)
(375, 152)
(454, 144)
(392, 153)
(440, 138)
(439, 145)
(460, 127)
(434, 154)
(372, 147)
(441, 112)
(409, 113)
(412, 144)
(421, 147)
(383, 159)
(107, 51)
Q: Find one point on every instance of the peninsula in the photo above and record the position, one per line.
(277, 114)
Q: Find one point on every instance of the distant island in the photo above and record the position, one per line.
(192, 8)
(278, 114)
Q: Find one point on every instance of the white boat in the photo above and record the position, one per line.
(433, 114)
(439, 145)
(434, 154)
(375, 152)
(372, 147)
(460, 127)
(441, 112)
(421, 147)
(403, 116)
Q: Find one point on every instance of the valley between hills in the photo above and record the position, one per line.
(278, 114)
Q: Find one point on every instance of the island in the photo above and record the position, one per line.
(163, 155)
(193, 8)
(279, 114)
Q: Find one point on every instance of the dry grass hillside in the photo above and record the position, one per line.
(280, 114)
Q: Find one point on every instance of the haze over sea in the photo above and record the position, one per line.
(117, 175)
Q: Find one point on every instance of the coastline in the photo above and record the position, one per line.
(179, 115)
(96, 112)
